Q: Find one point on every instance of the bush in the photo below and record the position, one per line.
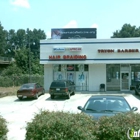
(65, 126)
(6, 81)
(3, 129)
(60, 126)
(116, 127)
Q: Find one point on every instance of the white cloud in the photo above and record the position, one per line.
(71, 24)
(94, 25)
(20, 3)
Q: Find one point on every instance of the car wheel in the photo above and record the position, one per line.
(68, 96)
(36, 96)
(52, 96)
(20, 98)
(136, 93)
(73, 93)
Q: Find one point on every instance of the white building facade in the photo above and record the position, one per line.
(91, 62)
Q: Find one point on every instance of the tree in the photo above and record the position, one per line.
(11, 41)
(127, 31)
(34, 37)
(22, 38)
(22, 59)
(23, 45)
(2, 40)
(11, 70)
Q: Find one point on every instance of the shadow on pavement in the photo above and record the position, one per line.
(57, 98)
(24, 100)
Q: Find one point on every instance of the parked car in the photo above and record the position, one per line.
(106, 105)
(62, 88)
(137, 89)
(30, 90)
(134, 85)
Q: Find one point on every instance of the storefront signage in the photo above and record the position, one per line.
(75, 49)
(58, 49)
(118, 50)
(62, 49)
(70, 67)
(127, 50)
(105, 50)
(73, 33)
(67, 57)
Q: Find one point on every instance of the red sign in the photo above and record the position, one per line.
(70, 68)
(68, 57)
(74, 56)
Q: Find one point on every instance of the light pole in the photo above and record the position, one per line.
(30, 42)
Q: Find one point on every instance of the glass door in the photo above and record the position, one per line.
(71, 76)
(125, 76)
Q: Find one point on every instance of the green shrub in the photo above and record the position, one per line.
(116, 127)
(3, 129)
(6, 81)
(60, 126)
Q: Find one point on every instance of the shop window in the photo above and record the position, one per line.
(86, 67)
(76, 67)
(135, 74)
(59, 68)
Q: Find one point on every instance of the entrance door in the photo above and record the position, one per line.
(70, 76)
(125, 80)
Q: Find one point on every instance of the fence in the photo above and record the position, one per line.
(8, 81)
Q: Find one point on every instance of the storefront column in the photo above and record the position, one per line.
(48, 76)
(97, 76)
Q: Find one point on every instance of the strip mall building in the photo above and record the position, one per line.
(90, 62)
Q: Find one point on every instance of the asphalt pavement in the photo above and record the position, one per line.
(18, 113)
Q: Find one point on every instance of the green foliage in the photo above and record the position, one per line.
(2, 40)
(127, 31)
(18, 80)
(6, 81)
(16, 44)
(66, 126)
(36, 67)
(11, 70)
(3, 129)
(116, 127)
(60, 126)
(22, 59)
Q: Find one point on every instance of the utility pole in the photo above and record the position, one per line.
(29, 63)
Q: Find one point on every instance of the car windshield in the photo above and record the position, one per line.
(27, 86)
(58, 84)
(107, 105)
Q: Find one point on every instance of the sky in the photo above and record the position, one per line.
(105, 15)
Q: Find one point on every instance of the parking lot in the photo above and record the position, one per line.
(18, 113)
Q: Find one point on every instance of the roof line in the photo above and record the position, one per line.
(46, 43)
(89, 59)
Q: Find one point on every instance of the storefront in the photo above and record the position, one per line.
(90, 62)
